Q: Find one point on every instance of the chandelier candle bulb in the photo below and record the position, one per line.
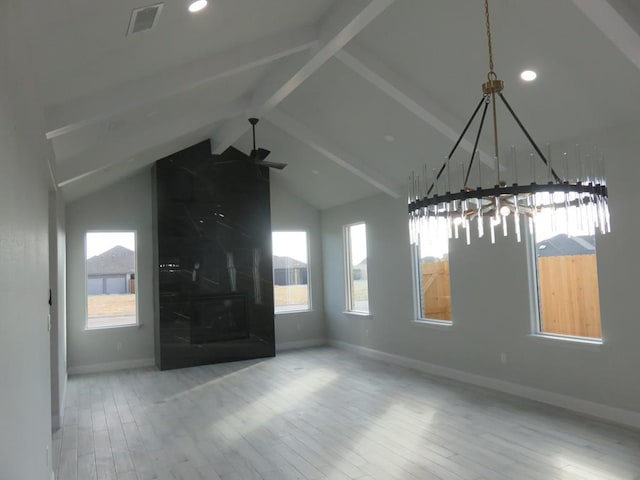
(550, 170)
(434, 185)
(533, 167)
(587, 168)
(578, 164)
(515, 165)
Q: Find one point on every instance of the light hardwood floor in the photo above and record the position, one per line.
(324, 414)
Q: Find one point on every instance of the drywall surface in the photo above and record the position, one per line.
(289, 213)
(57, 282)
(25, 393)
(123, 206)
(491, 301)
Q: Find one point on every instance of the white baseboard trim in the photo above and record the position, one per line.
(598, 410)
(112, 366)
(315, 342)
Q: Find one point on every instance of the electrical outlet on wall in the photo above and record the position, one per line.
(503, 358)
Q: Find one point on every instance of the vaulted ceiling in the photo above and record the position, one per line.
(353, 94)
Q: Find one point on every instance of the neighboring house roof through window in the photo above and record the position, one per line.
(287, 262)
(118, 260)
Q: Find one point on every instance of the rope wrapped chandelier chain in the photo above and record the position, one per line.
(575, 204)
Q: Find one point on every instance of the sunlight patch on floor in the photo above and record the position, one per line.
(579, 469)
(275, 403)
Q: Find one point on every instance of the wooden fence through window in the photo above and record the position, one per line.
(569, 300)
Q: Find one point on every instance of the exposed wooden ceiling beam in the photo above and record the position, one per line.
(340, 25)
(614, 26)
(131, 144)
(331, 151)
(407, 95)
(82, 112)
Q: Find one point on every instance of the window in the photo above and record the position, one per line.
(291, 272)
(432, 278)
(356, 263)
(111, 279)
(566, 277)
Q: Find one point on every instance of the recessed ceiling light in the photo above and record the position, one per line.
(528, 75)
(197, 5)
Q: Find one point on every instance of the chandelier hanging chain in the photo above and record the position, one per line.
(488, 25)
(494, 85)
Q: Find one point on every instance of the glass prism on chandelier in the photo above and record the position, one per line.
(575, 203)
(575, 206)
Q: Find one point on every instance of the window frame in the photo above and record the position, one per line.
(416, 280)
(273, 272)
(536, 299)
(137, 323)
(346, 229)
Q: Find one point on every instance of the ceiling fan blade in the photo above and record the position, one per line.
(277, 165)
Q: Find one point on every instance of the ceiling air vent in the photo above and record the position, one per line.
(144, 18)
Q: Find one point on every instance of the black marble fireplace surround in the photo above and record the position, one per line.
(212, 244)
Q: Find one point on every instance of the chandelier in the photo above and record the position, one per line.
(575, 205)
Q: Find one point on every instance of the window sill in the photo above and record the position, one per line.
(432, 322)
(287, 312)
(562, 340)
(357, 314)
(111, 327)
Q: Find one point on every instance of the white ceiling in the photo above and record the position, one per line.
(359, 91)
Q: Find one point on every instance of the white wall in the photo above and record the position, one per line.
(123, 206)
(289, 213)
(490, 298)
(57, 281)
(25, 402)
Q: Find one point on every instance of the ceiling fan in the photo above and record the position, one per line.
(258, 155)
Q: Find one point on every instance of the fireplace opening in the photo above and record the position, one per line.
(218, 318)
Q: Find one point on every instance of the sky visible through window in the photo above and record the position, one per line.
(100, 242)
(358, 243)
(290, 244)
